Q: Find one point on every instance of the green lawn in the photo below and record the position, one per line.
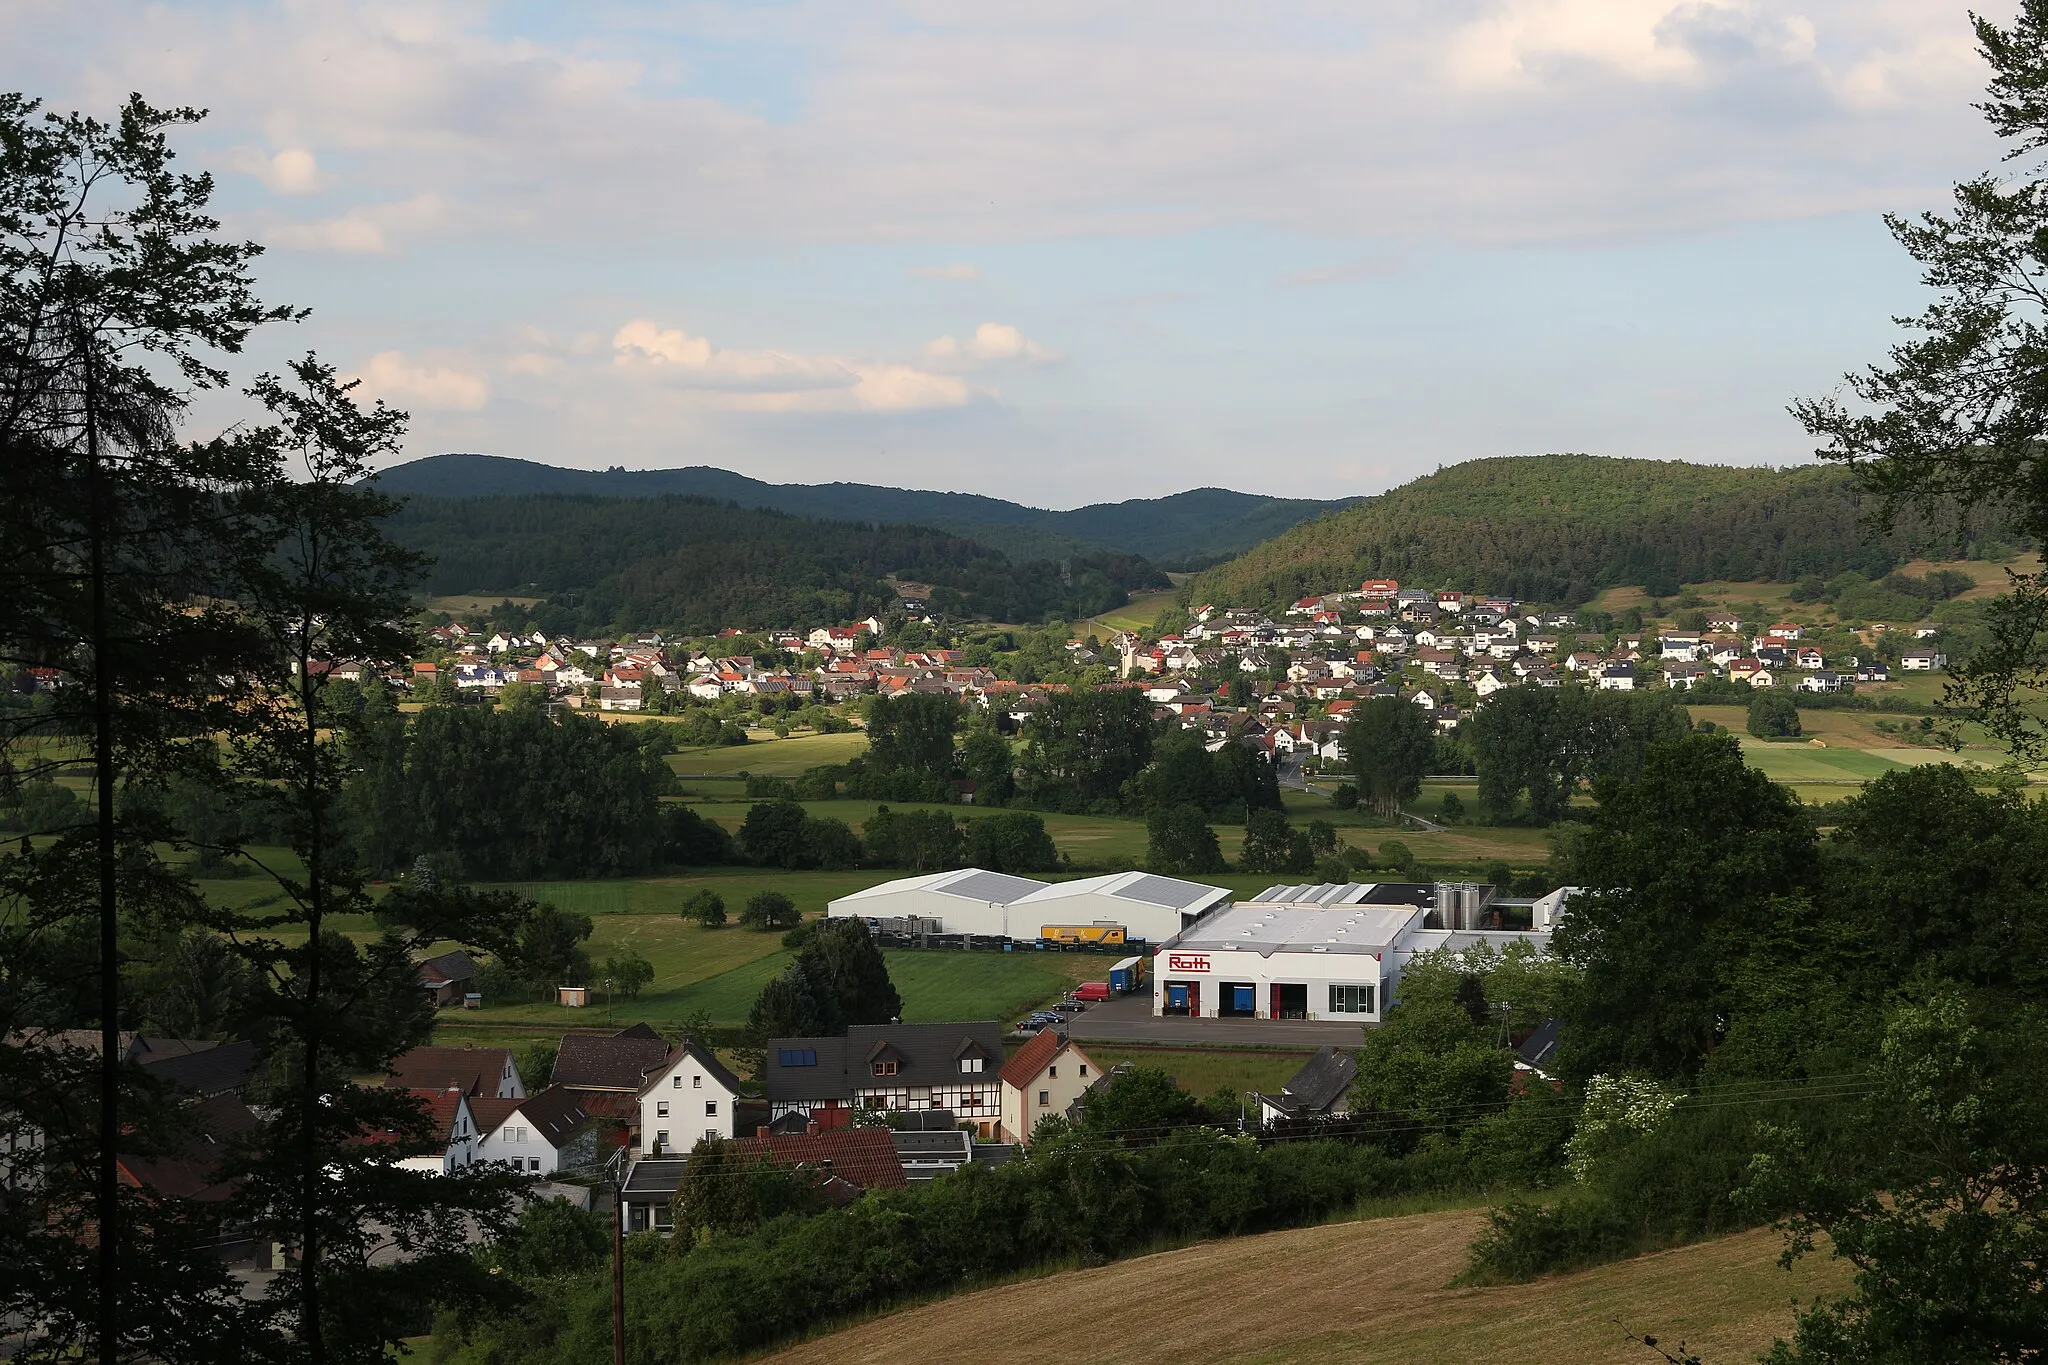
(1138, 614)
(1203, 1071)
(721, 971)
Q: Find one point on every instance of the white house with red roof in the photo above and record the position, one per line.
(1043, 1077)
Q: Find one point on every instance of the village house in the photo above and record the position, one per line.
(690, 1095)
(1320, 1090)
(539, 1135)
(478, 1071)
(889, 1067)
(1045, 1076)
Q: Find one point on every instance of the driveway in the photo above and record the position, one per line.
(1128, 1019)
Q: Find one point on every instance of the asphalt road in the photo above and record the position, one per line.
(1128, 1019)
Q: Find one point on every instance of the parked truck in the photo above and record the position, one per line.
(1128, 976)
(1082, 935)
(1092, 991)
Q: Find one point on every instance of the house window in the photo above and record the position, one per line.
(675, 1082)
(885, 1068)
(661, 1109)
(1044, 1098)
(696, 1082)
(711, 1132)
(661, 1137)
(796, 1056)
(1352, 999)
(1084, 1071)
(711, 1108)
(533, 1164)
(970, 1065)
(1053, 1072)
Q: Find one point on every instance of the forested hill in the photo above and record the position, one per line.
(691, 564)
(1200, 526)
(1559, 528)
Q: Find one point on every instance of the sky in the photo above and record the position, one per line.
(1056, 251)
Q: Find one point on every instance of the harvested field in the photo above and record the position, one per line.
(1376, 1290)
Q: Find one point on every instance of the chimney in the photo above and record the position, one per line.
(761, 1131)
(811, 1128)
(826, 1165)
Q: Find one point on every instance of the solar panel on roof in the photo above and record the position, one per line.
(1162, 891)
(991, 886)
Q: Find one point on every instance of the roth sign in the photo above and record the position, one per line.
(1187, 962)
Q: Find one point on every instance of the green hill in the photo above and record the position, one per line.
(1559, 528)
(1187, 529)
(694, 565)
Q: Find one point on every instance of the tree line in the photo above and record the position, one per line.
(1559, 528)
(695, 565)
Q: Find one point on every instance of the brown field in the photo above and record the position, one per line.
(1376, 1290)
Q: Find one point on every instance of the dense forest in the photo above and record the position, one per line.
(694, 565)
(1181, 530)
(1559, 528)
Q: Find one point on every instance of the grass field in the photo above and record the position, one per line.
(1376, 1290)
(1203, 1071)
(1138, 614)
(766, 754)
(720, 971)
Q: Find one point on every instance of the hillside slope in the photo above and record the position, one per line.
(1198, 526)
(1559, 528)
(1374, 1291)
(679, 563)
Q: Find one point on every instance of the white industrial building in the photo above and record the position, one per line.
(967, 901)
(1332, 952)
(972, 901)
(1148, 907)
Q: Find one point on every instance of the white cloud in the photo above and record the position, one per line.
(992, 341)
(1645, 40)
(371, 230)
(406, 383)
(694, 362)
(290, 172)
(911, 120)
(959, 270)
(780, 381)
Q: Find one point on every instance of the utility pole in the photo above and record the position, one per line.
(619, 1258)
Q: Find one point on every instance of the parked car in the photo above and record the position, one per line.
(1031, 1025)
(1069, 1007)
(1090, 991)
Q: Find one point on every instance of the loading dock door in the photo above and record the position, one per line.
(1289, 1001)
(1184, 997)
(1240, 998)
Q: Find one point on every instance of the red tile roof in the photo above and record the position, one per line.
(1027, 1061)
(862, 1156)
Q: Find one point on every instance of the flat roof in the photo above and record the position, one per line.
(968, 883)
(1272, 927)
(1144, 888)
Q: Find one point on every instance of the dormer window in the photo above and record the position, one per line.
(886, 1067)
(970, 1066)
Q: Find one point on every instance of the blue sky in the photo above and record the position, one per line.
(1064, 252)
